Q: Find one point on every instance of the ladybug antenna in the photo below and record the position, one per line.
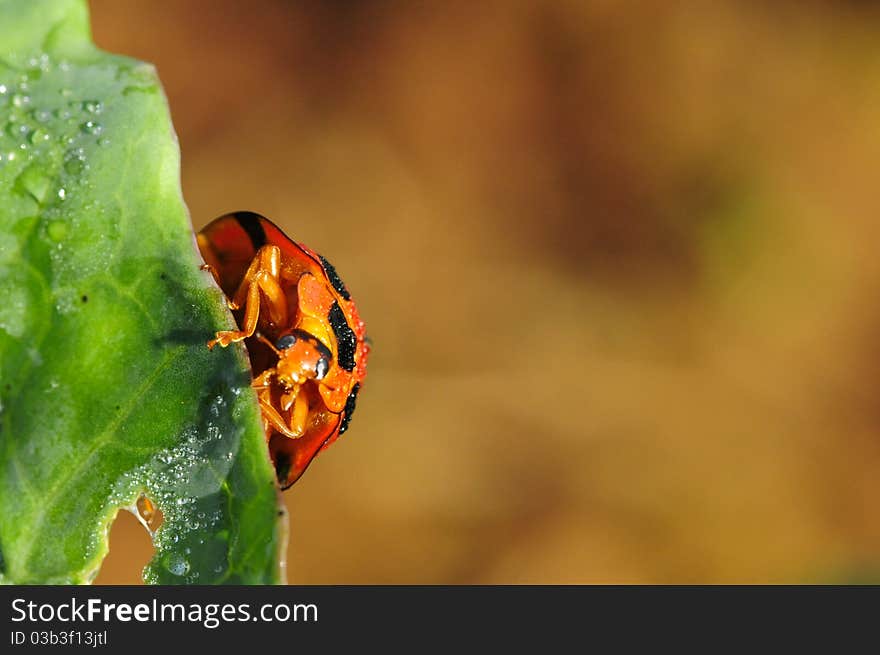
(260, 337)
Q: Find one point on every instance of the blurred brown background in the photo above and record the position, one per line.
(619, 261)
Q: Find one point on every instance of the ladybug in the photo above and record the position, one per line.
(306, 343)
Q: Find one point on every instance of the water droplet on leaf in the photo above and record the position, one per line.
(92, 127)
(176, 564)
(17, 130)
(39, 136)
(74, 165)
(57, 230)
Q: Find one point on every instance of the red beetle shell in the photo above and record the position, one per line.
(229, 245)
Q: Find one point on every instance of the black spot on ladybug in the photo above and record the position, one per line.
(85, 298)
(345, 336)
(334, 278)
(250, 223)
(349, 408)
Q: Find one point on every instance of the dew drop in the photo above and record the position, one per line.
(20, 100)
(103, 141)
(92, 127)
(39, 136)
(57, 230)
(41, 115)
(92, 106)
(3, 89)
(74, 165)
(62, 194)
(148, 514)
(17, 130)
(176, 564)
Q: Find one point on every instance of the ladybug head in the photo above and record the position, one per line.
(301, 357)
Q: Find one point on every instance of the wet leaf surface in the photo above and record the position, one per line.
(107, 390)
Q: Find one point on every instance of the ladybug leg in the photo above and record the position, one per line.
(296, 404)
(300, 412)
(252, 310)
(264, 395)
(263, 380)
(274, 294)
(262, 276)
(216, 276)
(265, 271)
(212, 270)
(273, 418)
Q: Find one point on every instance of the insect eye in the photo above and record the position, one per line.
(285, 342)
(321, 368)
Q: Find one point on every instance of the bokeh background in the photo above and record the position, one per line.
(619, 260)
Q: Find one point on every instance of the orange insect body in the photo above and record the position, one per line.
(306, 342)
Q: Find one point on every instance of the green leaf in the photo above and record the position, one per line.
(106, 387)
